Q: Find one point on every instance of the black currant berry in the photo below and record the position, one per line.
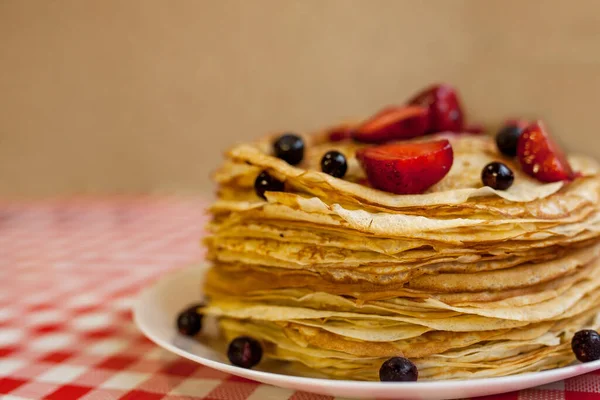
(244, 352)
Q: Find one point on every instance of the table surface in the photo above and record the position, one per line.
(69, 272)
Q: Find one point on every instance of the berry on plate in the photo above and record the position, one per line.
(244, 352)
(189, 322)
(586, 345)
(398, 369)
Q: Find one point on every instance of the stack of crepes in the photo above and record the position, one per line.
(463, 280)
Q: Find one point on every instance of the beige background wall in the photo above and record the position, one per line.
(106, 95)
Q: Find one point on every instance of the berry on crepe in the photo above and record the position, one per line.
(508, 136)
(540, 157)
(393, 123)
(406, 168)
(445, 111)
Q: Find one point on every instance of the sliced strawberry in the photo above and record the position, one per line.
(474, 128)
(445, 112)
(541, 157)
(406, 168)
(339, 133)
(393, 123)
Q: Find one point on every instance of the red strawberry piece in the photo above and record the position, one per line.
(339, 133)
(393, 123)
(406, 168)
(474, 128)
(540, 157)
(445, 112)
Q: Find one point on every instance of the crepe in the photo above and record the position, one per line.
(466, 281)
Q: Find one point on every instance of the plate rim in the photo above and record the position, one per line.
(541, 377)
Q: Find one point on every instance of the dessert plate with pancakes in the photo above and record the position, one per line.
(407, 255)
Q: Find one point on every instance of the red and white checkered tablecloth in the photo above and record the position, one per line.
(69, 271)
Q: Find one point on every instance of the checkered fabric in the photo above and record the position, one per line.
(69, 271)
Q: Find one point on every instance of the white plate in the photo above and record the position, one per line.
(157, 307)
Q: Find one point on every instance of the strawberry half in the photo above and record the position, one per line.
(393, 123)
(406, 168)
(540, 157)
(445, 112)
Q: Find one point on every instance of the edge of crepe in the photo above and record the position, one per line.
(370, 195)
